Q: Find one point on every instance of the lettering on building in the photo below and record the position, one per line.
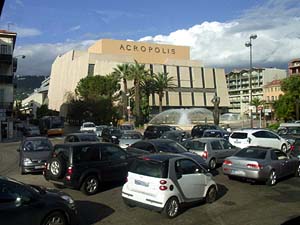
(142, 48)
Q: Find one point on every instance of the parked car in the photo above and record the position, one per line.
(29, 204)
(81, 137)
(129, 137)
(126, 126)
(198, 130)
(289, 133)
(165, 145)
(31, 131)
(176, 135)
(295, 149)
(258, 137)
(99, 130)
(212, 150)
(216, 133)
(262, 164)
(86, 165)
(111, 134)
(164, 182)
(88, 127)
(33, 154)
(155, 131)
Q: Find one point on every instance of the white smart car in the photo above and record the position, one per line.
(162, 182)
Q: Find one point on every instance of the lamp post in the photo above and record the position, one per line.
(249, 44)
(128, 106)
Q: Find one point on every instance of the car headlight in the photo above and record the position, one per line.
(67, 198)
(27, 161)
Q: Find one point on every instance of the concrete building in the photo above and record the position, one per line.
(294, 67)
(196, 85)
(238, 83)
(38, 98)
(8, 65)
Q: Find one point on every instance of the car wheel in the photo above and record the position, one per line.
(212, 164)
(55, 218)
(230, 177)
(297, 173)
(284, 148)
(271, 181)
(57, 167)
(90, 185)
(172, 208)
(211, 194)
(128, 204)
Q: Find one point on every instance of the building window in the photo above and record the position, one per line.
(91, 69)
(5, 49)
(272, 98)
(268, 98)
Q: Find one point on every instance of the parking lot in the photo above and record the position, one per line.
(239, 202)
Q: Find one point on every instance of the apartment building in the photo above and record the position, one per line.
(240, 90)
(294, 67)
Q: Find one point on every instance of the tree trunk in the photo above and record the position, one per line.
(160, 96)
(125, 98)
(137, 102)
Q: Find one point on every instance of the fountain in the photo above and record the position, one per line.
(183, 118)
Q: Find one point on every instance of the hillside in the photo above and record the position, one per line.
(26, 85)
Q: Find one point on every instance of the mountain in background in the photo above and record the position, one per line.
(25, 85)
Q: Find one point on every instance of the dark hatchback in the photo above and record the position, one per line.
(155, 131)
(165, 145)
(34, 152)
(198, 130)
(28, 204)
(86, 165)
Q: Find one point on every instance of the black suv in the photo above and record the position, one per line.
(198, 130)
(111, 134)
(155, 131)
(85, 165)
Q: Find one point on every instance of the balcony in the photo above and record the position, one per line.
(6, 79)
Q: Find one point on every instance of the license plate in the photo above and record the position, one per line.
(39, 167)
(237, 172)
(142, 183)
(236, 141)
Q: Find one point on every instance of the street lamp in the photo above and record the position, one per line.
(249, 44)
(128, 106)
(21, 56)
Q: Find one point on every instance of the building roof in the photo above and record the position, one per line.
(9, 34)
(273, 83)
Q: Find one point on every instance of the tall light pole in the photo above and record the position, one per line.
(249, 44)
(128, 107)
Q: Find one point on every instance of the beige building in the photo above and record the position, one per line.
(195, 84)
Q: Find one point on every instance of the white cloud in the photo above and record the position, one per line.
(39, 57)
(75, 28)
(26, 32)
(223, 44)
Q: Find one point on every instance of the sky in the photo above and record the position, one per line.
(215, 30)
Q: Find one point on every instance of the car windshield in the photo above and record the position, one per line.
(149, 168)
(252, 153)
(89, 125)
(37, 145)
(88, 138)
(131, 136)
(170, 147)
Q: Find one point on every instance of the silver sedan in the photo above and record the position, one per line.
(262, 164)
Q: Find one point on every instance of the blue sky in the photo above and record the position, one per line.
(215, 30)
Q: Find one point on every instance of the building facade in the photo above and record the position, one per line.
(239, 88)
(196, 85)
(8, 65)
(294, 67)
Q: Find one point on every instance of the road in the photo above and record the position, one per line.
(239, 203)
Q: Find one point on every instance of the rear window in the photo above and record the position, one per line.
(197, 145)
(61, 151)
(86, 153)
(239, 135)
(252, 153)
(150, 168)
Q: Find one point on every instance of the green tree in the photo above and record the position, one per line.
(161, 83)
(257, 102)
(137, 73)
(284, 108)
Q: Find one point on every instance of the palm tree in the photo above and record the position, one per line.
(122, 71)
(161, 83)
(257, 102)
(137, 73)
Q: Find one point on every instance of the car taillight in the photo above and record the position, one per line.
(163, 187)
(69, 172)
(227, 162)
(254, 166)
(292, 148)
(205, 154)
